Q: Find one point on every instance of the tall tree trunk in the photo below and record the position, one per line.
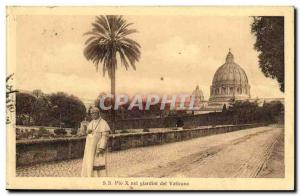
(113, 92)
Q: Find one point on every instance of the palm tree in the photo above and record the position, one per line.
(109, 37)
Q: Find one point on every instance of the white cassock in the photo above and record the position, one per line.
(97, 139)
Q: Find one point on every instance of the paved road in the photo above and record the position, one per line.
(256, 152)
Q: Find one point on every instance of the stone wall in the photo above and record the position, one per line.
(217, 118)
(45, 150)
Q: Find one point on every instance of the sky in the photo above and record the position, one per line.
(183, 50)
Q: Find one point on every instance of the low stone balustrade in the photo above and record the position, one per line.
(45, 150)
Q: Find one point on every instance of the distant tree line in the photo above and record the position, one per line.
(57, 109)
(124, 113)
(242, 112)
(238, 112)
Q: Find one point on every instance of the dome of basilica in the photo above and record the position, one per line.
(198, 93)
(229, 82)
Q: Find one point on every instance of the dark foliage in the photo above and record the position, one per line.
(49, 110)
(66, 109)
(43, 132)
(73, 131)
(250, 112)
(25, 104)
(42, 106)
(269, 32)
(179, 123)
(60, 131)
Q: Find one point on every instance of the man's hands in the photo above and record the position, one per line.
(100, 151)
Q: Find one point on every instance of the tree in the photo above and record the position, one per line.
(33, 107)
(49, 110)
(24, 107)
(109, 37)
(244, 112)
(269, 32)
(272, 110)
(66, 109)
(37, 93)
(42, 107)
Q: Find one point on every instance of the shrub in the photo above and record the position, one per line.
(60, 131)
(36, 134)
(42, 132)
(179, 123)
(73, 131)
(146, 130)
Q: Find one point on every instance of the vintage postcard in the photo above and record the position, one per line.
(150, 98)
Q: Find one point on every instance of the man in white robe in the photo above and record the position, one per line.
(96, 142)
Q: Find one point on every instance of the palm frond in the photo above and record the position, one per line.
(92, 38)
(123, 59)
(126, 32)
(131, 42)
(103, 22)
(108, 37)
(123, 27)
(99, 28)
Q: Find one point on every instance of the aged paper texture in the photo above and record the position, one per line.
(150, 98)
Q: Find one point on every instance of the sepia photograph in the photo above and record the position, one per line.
(150, 98)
